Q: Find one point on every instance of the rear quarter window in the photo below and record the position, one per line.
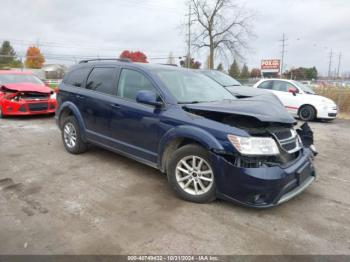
(77, 77)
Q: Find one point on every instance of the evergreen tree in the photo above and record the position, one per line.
(245, 72)
(8, 55)
(234, 70)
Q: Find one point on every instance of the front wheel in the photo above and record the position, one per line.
(307, 113)
(191, 174)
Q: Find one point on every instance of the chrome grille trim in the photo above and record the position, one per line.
(293, 139)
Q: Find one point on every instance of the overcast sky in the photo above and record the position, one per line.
(105, 28)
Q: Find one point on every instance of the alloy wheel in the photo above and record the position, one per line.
(70, 135)
(194, 175)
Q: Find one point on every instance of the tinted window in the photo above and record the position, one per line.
(282, 86)
(77, 77)
(130, 82)
(266, 85)
(102, 80)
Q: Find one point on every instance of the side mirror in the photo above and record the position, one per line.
(148, 97)
(293, 90)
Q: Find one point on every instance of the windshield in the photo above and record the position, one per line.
(191, 87)
(18, 78)
(222, 78)
(303, 87)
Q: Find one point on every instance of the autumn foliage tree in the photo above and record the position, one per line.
(134, 56)
(34, 58)
(255, 73)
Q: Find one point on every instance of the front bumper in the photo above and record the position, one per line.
(327, 112)
(18, 108)
(264, 187)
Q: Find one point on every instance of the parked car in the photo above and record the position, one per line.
(22, 93)
(299, 99)
(208, 142)
(232, 85)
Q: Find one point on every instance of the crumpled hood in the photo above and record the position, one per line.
(266, 108)
(26, 87)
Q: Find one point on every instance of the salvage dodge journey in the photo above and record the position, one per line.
(210, 143)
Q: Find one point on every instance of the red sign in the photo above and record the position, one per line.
(270, 64)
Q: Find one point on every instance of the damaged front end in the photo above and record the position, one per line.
(17, 102)
(256, 179)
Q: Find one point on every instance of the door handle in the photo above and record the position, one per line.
(116, 106)
(80, 97)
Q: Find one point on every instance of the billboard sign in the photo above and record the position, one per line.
(270, 66)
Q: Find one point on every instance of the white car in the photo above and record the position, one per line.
(300, 100)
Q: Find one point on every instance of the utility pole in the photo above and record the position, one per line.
(189, 36)
(283, 40)
(339, 59)
(330, 64)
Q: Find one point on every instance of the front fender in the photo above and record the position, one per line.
(76, 113)
(199, 135)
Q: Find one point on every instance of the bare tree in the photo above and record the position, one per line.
(221, 26)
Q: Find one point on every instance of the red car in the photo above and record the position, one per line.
(22, 93)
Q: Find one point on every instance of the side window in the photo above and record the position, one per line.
(130, 82)
(102, 79)
(77, 77)
(282, 86)
(266, 85)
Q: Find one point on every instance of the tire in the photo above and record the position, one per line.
(307, 113)
(71, 136)
(199, 186)
(1, 115)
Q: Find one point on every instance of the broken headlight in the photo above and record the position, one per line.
(254, 146)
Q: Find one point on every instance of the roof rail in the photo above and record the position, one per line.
(105, 59)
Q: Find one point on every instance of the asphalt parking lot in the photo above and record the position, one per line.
(52, 202)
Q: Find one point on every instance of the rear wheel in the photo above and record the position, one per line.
(191, 175)
(71, 136)
(307, 113)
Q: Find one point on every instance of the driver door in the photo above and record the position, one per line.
(135, 126)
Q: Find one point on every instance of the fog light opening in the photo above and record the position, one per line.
(259, 198)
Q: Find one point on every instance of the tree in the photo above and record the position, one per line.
(134, 56)
(234, 70)
(171, 59)
(193, 64)
(302, 73)
(222, 27)
(220, 67)
(255, 73)
(245, 72)
(34, 58)
(8, 56)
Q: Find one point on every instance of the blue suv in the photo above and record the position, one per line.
(210, 143)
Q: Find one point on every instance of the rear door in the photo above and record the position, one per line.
(98, 100)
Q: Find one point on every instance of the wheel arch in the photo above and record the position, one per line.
(69, 109)
(181, 136)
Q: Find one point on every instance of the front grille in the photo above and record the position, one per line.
(332, 114)
(37, 106)
(284, 134)
(288, 140)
